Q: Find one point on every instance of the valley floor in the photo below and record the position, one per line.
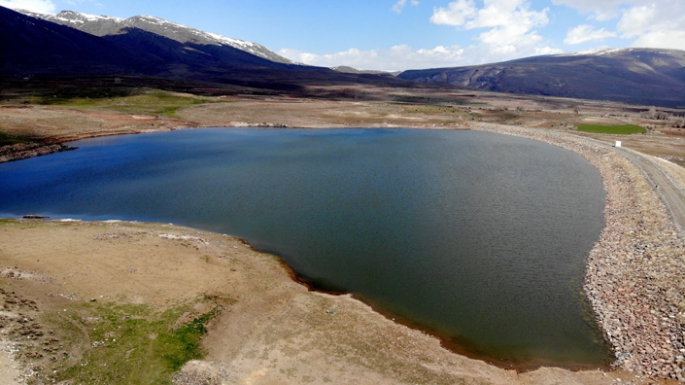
(59, 280)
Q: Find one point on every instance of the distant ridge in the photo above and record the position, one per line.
(631, 75)
(34, 46)
(107, 26)
(352, 70)
(149, 50)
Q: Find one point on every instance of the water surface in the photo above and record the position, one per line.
(478, 237)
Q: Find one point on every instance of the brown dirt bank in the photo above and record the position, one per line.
(635, 277)
(270, 329)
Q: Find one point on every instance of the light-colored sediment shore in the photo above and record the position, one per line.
(274, 331)
(634, 277)
(269, 330)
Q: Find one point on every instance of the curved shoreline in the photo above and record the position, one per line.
(268, 329)
(446, 341)
(628, 270)
(634, 271)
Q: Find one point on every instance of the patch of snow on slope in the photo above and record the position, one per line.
(79, 18)
(596, 52)
(253, 48)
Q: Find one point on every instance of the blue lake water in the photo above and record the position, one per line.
(478, 237)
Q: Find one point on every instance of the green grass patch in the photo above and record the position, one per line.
(9, 139)
(149, 102)
(623, 129)
(129, 344)
(432, 110)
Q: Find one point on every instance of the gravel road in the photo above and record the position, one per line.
(671, 193)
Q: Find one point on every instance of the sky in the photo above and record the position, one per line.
(395, 35)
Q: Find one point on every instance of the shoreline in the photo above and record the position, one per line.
(609, 259)
(52, 145)
(446, 341)
(261, 309)
(632, 271)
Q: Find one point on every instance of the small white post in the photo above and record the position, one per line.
(618, 143)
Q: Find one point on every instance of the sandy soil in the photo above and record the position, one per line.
(272, 330)
(63, 124)
(9, 368)
(676, 172)
(322, 114)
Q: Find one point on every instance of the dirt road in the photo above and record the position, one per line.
(671, 192)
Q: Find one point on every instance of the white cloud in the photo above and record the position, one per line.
(509, 33)
(600, 10)
(40, 6)
(456, 13)
(637, 20)
(399, 6)
(400, 57)
(585, 32)
(656, 24)
(547, 51)
(495, 13)
(650, 23)
(662, 39)
(404, 57)
(512, 25)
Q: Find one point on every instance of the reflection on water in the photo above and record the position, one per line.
(479, 237)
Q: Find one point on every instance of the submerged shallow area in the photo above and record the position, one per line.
(478, 237)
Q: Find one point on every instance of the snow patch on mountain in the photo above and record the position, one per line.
(596, 52)
(107, 25)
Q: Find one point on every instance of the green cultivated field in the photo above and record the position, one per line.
(623, 129)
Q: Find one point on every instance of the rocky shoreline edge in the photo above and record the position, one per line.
(635, 276)
(20, 151)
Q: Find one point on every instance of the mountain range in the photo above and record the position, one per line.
(631, 75)
(71, 44)
(115, 28)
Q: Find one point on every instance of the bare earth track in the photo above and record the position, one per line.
(672, 194)
(669, 189)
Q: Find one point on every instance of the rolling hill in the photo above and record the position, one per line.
(632, 75)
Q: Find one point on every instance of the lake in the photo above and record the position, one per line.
(477, 237)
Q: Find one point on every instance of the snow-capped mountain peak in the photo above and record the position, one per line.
(107, 25)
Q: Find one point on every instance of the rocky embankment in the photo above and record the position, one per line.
(28, 150)
(635, 276)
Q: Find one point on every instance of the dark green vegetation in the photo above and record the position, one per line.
(127, 344)
(8, 139)
(622, 129)
(147, 102)
(130, 100)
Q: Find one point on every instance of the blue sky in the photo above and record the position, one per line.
(411, 34)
